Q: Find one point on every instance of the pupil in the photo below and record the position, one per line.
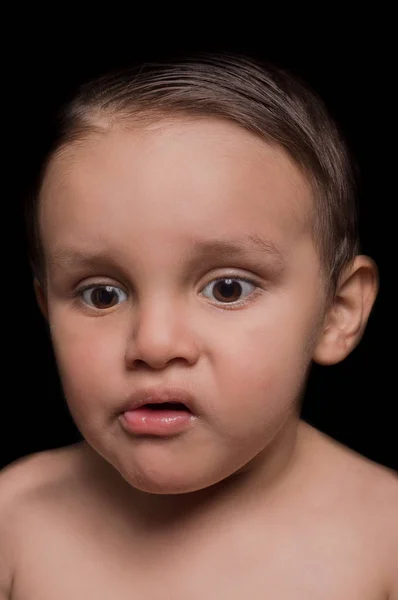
(228, 288)
(103, 296)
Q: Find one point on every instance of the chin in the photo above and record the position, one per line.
(167, 483)
(162, 469)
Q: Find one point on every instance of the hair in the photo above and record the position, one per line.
(262, 98)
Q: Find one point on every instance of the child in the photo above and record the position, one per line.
(194, 246)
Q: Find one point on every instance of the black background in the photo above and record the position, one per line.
(353, 70)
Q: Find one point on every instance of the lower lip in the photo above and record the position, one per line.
(156, 422)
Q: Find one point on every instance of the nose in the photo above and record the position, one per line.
(160, 334)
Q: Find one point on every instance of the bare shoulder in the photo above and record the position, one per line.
(22, 484)
(27, 474)
(29, 478)
(366, 493)
(361, 483)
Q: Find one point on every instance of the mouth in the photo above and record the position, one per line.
(161, 399)
(158, 414)
(159, 406)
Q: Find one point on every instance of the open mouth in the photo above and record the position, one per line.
(158, 418)
(176, 406)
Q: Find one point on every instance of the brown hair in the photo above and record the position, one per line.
(264, 99)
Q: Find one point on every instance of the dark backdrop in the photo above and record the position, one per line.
(353, 401)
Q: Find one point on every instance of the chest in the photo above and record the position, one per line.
(65, 564)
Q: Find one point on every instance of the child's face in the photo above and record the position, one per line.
(141, 200)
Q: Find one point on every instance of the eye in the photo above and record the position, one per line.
(102, 296)
(230, 288)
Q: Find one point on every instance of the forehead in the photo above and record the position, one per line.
(174, 178)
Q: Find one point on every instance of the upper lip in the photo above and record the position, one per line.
(157, 396)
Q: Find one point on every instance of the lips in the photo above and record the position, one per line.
(172, 398)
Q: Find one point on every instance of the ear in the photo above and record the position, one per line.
(347, 317)
(41, 298)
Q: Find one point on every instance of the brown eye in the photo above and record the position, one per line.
(102, 296)
(230, 289)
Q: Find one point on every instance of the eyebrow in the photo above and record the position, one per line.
(201, 250)
(237, 248)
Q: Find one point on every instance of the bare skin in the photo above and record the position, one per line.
(247, 501)
(324, 530)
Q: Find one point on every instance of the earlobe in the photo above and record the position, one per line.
(41, 298)
(347, 317)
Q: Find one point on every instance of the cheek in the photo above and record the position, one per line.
(262, 374)
(88, 355)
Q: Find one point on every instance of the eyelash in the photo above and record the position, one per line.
(239, 303)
